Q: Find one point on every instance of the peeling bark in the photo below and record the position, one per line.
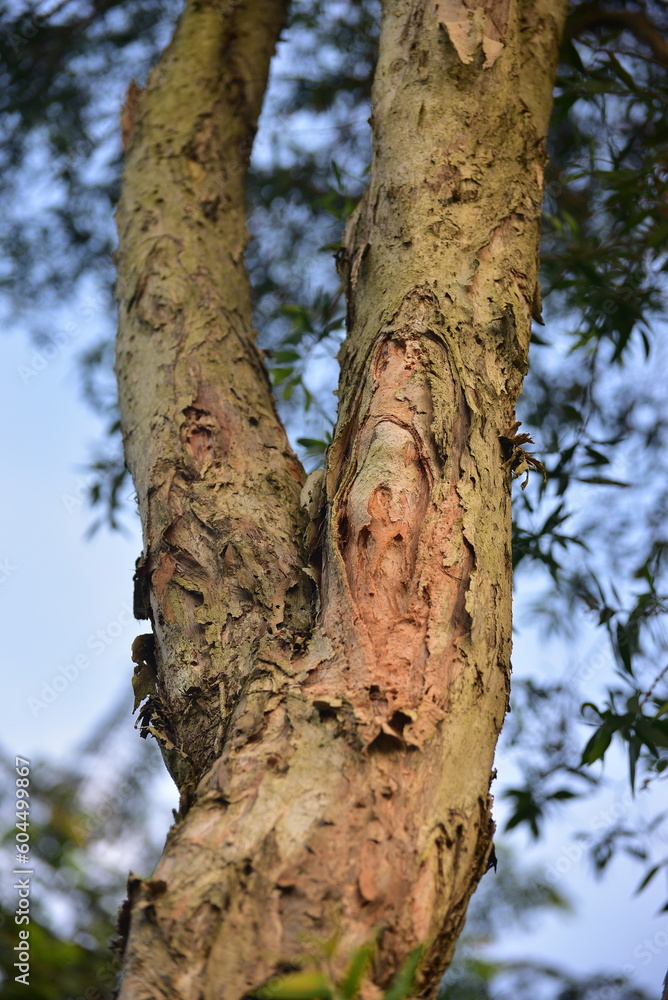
(335, 767)
(217, 483)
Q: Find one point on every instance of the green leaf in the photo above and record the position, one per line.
(601, 481)
(562, 794)
(596, 457)
(402, 984)
(571, 56)
(634, 753)
(624, 640)
(307, 984)
(283, 356)
(596, 747)
(314, 446)
(653, 731)
(279, 375)
(359, 963)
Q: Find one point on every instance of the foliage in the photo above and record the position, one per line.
(317, 983)
(86, 825)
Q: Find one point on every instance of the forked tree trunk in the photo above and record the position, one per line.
(335, 763)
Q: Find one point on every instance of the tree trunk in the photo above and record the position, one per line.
(334, 762)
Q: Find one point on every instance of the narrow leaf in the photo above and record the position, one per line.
(307, 984)
(359, 963)
(402, 984)
(596, 747)
(634, 753)
(648, 878)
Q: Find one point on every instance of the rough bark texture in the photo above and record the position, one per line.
(335, 769)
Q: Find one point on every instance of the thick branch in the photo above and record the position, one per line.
(440, 262)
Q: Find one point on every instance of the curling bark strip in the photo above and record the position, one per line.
(335, 769)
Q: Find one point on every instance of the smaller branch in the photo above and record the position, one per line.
(589, 16)
(648, 694)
